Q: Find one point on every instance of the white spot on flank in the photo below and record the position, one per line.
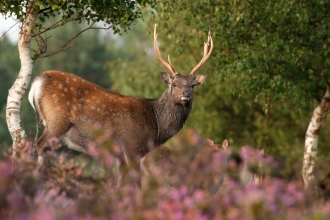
(62, 73)
(71, 88)
(74, 79)
(86, 92)
(60, 86)
(65, 90)
(68, 103)
(83, 118)
(67, 80)
(62, 94)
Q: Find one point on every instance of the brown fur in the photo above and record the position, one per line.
(199, 169)
(165, 167)
(70, 106)
(244, 168)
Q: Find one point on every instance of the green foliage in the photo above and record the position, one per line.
(119, 14)
(269, 56)
(134, 68)
(271, 49)
(9, 65)
(116, 15)
(8, 69)
(87, 59)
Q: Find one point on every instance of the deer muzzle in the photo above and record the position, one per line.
(186, 96)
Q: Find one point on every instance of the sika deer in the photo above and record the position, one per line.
(244, 168)
(252, 165)
(204, 168)
(69, 106)
(210, 168)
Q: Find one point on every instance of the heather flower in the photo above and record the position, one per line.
(78, 191)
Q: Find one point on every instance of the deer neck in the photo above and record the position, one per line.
(170, 116)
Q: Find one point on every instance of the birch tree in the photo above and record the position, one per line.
(275, 50)
(116, 15)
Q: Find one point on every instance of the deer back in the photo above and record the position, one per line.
(64, 100)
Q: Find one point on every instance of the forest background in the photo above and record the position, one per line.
(227, 105)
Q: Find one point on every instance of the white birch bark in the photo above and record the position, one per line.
(16, 92)
(311, 139)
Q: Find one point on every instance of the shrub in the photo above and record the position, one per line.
(77, 188)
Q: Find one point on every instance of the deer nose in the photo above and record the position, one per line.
(186, 93)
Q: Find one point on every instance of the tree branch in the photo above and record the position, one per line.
(4, 34)
(43, 10)
(57, 24)
(72, 41)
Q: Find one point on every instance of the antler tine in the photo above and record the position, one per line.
(206, 55)
(168, 65)
(169, 61)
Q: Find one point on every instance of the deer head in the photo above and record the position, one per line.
(182, 86)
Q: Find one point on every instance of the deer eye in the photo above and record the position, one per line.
(174, 84)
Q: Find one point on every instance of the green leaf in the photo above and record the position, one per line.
(55, 7)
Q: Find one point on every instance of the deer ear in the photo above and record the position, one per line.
(199, 79)
(261, 153)
(210, 142)
(225, 144)
(166, 77)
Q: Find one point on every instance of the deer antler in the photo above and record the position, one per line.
(169, 64)
(206, 55)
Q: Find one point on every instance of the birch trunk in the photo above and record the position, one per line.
(16, 92)
(311, 140)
